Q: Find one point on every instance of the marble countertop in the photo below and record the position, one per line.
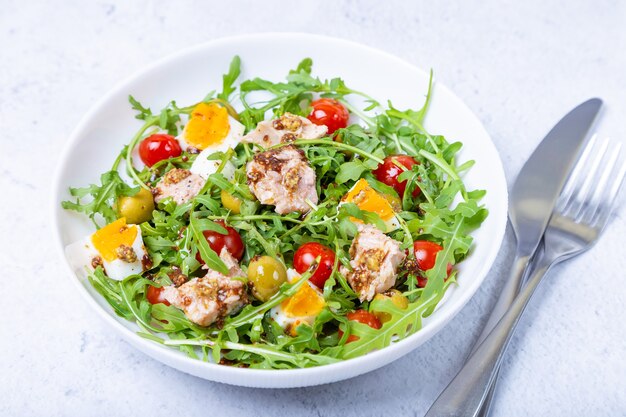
(518, 65)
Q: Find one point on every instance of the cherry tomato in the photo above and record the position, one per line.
(330, 113)
(388, 173)
(155, 295)
(231, 241)
(158, 147)
(306, 255)
(362, 316)
(426, 255)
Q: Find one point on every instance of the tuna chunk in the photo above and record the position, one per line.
(287, 128)
(180, 184)
(283, 177)
(231, 263)
(212, 297)
(375, 258)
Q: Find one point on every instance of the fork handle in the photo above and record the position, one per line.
(466, 393)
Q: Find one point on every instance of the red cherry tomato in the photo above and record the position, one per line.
(307, 253)
(158, 147)
(426, 255)
(231, 241)
(155, 295)
(388, 173)
(362, 316)
(330, 113)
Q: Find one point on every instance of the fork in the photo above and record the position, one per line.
(577, 222)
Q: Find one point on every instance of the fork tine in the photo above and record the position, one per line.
(603, 214)
(572, 181)
(579, 199)
(599, 194)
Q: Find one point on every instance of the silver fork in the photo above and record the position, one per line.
(579, 218)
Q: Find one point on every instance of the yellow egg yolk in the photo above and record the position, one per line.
(208, 126)
(368, 199)
(306, 302)
(108, 239)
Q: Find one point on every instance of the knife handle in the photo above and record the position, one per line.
(521, 268)
(509, 291)
(467, 392)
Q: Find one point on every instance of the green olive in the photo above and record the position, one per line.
(230, 202)
(266, 275)
(137, 208)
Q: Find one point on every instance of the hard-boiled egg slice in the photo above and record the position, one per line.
(117, 247)
(204, 167)
(368, 199)
(302, 307)
(211, 127)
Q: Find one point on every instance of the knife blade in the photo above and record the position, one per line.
(532, 200)
(535, 191)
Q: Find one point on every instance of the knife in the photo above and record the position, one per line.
(532, 201)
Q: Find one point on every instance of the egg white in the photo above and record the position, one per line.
(204, 167)
(391, 224)
(80, 254)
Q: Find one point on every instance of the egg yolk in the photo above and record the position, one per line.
(207, 126)
(112, 236)
(368, 199)
(305, 302)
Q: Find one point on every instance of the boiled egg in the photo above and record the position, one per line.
(117, 247)
(204, 167)
(210, 127)
(301, 308)
(367, 199)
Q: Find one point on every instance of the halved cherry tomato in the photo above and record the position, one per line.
(425, 256)
(306, 255)
(155, 295)
(231, 241)
(158, 147)
(362, 316)
(330, 113)
(388, 173)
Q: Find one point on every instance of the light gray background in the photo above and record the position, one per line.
(518, 65)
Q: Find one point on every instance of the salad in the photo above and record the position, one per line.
(278, 224)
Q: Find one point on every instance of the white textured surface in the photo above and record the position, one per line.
(518, 66)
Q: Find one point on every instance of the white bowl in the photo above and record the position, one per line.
(187, 76)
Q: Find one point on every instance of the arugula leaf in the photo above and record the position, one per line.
(109, 290)
(207, 254)
(100, 198)
(305, 66)
(229, 79)
(143, 112)
(415, 117)
(401, 323)
(350, 171)
(351, 210)
(271, 357)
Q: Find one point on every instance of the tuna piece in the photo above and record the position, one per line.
(375, 258)
(212, 297)
(284, 178)
(180, 184)
(285, 129)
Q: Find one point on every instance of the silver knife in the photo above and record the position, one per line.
(532, 200)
